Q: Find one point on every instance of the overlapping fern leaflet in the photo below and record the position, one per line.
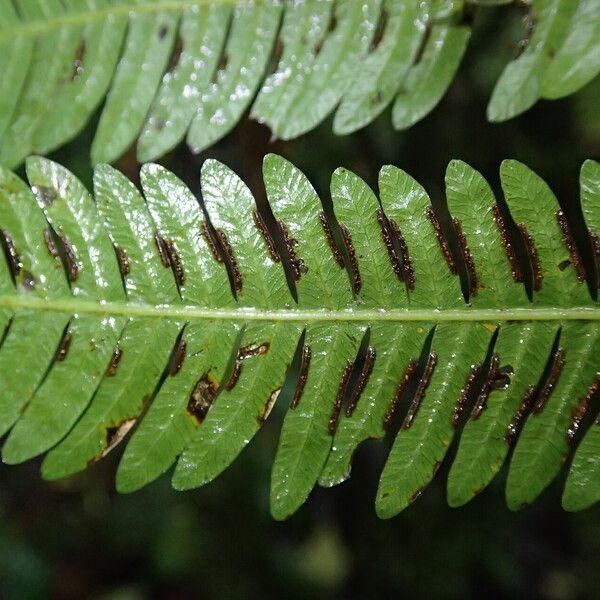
(173, 69)
(153, 318)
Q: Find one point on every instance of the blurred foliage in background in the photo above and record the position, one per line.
(79, 539)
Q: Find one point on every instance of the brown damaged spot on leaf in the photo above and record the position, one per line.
(162, 32)
(533, 257)
(558, 362)
(498, 378)
(363, 379)
(266, 234)
(115, 359)
(356, 278)
(443, 243)
(71, 258)
(123, 260)
(423, 43)
(114, 435)
(516, 272)
(306, 356)
(420, 392)
(202, 397)
(406, 376)
(580, 410)
(78, 61)
(178, 357)
(570, 245)
(337, 255)
(297, 264)
(464, 394)
(176, 54)
(337, 405)
(243, 353)
(45, 195)
(467, 257)
(415, 495)
(268, 407)
(63, 347)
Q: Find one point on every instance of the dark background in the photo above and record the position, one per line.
(78, 538)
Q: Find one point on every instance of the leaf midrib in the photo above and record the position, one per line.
(83, 18)
(79, 306)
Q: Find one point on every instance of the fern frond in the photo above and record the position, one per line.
(174, 69)
(178, 321)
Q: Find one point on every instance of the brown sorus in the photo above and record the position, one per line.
(231, 260)
(516, 272)
(570, 245)
(337, 405)
(355, 272)
(558, 361)
(266, 234)
(339, 259)
(124, 266)
(533, 257)
(408, 372)
(464, 394)
(445, 249)
(162, 250)
(413, 409)
(467, 257)
(305, 364)
(363, 379)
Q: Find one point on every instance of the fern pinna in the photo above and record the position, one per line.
(175, 69)
(175, 324)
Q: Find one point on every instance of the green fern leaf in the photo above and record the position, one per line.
(174, 324)
(168, 70)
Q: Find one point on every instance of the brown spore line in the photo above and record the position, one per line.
(335, 251)
(498, 378)
(569, 242)
(558, 361)
(515, 268)
(162, 250)
(465, 392)
(14, 260)
(354, 270)
(304, 366)
(467, 257)
(363, 379)
(415, 405)
(406, 376)
(441, 238)
(534, 258)
(297, 264)
(337, 405)
(519, 416)
(261, 225)
(232, 263)
(580, 410)
(71, 257)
